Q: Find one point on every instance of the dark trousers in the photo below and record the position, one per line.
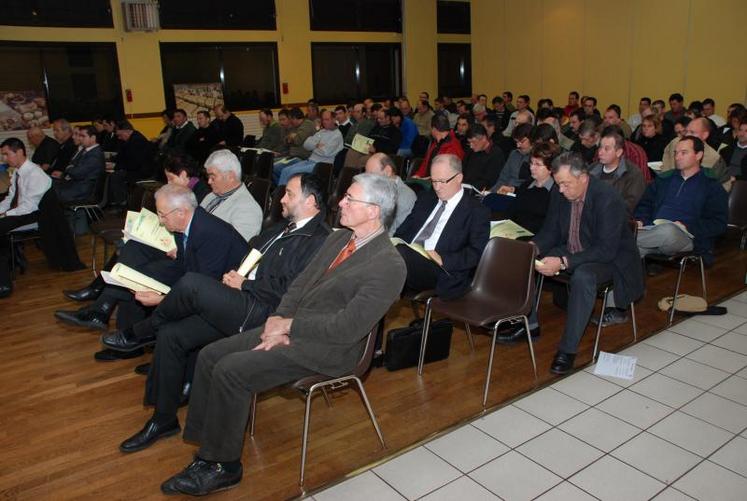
(422, 273)
(582, 295)
(197, 311)
(7, 224)
(228, 374)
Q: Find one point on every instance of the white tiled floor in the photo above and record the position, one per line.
(677, 432)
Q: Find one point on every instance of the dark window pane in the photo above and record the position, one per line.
(453, 17)
(454, 70)
(344, 72)
(221, 15)
(356, 15)
(80, 13)
(247, 72)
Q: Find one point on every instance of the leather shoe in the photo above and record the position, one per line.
(84, 294)
(201, 478)
(612, 316)
(91, 319)
(142, 369)
(146, 437)
(517, 335)
(125, 340)
(111, 355)
(562, 363)
(5, 291)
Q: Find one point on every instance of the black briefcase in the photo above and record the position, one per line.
(403, 344)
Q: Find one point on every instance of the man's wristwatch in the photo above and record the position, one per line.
(563, 267)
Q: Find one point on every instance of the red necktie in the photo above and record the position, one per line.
(345, 253)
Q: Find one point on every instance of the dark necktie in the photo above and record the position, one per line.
(428, 230)
(17, 185)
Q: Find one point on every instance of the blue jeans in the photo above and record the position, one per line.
(296, 168)
(280, 165)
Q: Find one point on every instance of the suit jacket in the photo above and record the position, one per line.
(179, 138)
(64, 155)
(605, 236)
(81, 176)
(333, 311)
(461, 242)
(46, 152)
(213, 246)
(136, 157)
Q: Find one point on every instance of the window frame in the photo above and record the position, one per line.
(46, 24)
(218, 27)
(457, 31)
(356, 29)
(441, 90)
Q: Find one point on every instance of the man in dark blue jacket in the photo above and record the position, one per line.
(78, 182)
(452, 227)
(684, 211)
(200, 310)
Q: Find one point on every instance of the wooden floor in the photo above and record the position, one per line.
(63, 414)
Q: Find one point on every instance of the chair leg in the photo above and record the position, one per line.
(371, 414)
(415, 308)
(531, 345)
(424, 338)
(540, 283)
(635, 325)
(12, 255)
(305, 437)
(599, 324)
(93, 254)
(683, 264)
(252, 415)
(490, 363)
(702, 277)
(743, 240)
(468, 331)
(326, 397)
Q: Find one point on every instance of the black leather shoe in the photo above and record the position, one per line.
(612, 316)
(5, 291)
(125, 340)
(517, 335)
(111, 355)
(146, 437)
(201, 478)
(562, 363)
(91, 319)
(84, 294)
(142, 369)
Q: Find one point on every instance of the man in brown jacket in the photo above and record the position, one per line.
(612, 168)
(321, 326)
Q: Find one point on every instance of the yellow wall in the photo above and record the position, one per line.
(615, 50)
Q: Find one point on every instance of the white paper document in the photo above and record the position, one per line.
(619, 366)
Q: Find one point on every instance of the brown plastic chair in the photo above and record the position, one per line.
(260, 190)
(324, 172)
(344, 180)
(418, 298)
(501, 291)
(274, 213)
(263, 165)
(308, 385)
(738, 210)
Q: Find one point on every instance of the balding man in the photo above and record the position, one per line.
(712, 164)
(45, 148)
(381, 164)
(321, 326)
(63, 133)
(229, 126)
(452, 227)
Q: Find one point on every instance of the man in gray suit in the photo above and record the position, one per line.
(321, 326)
(78, 181)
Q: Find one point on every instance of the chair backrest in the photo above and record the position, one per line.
(248, 161)
(100, 191)
(274, 212)
(260, 190)
(367, 357)
(324, 172)
(738, 204)
(506, 274)
(263, 165)
(343, 183)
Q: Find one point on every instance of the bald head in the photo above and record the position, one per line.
(523, 117)
(35, 135)
(699, 127)
(381, 165)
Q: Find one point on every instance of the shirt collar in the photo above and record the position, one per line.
(92, 147)
(360, 242)
(548, 184)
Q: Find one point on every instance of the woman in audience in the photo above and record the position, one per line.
(533, 197)
(651, 139)
(183, 170)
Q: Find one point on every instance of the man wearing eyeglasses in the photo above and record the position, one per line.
(452, 227)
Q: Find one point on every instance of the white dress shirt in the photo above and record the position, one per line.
(451, 204)
(33, 183)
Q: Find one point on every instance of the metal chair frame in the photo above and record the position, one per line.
(683, 260)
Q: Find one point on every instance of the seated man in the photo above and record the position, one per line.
(614, 169)
(229, 127)
(587, 143)
(387, 139)
(587, 235)
(485, 161)
(444, 142)
(533, 197)
(735, 154)
(299, 129)
(63, 133)
(321, 326)
(21, 206)
(695, 206)
(711, 163)
(182, 132)
(134, 161)
(516, 169)
(204, 244)
(270, 139)
(45, 148)
(452, 227)
(78, 181)
(204, 138)
(200, 310)
(324, 145)
(380, 164)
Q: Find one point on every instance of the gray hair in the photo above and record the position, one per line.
(478, 108)
(380, 191)
(588, 127)
(454, 162)
(225, 161)
(177, 197)
(571, 160)
(64, 124)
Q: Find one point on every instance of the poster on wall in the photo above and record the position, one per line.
(195, 97)
(23, 109)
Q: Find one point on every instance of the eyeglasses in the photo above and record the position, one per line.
(443, 181)
(350, 199)
(164, 216)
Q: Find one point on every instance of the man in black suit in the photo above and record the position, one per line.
(587, 235)
(79, 179)
(200, 310)
(134, 161)
(229, 126)
(204, 244)
(182, 131)
(63, 133)
(452, 227)
(45, 148)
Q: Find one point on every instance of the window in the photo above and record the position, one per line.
(80, 13)
(344, 72)
(222, 15)
(454, 69)
(356, 15)
(453, 17)
(79, 80)
(247, 72)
